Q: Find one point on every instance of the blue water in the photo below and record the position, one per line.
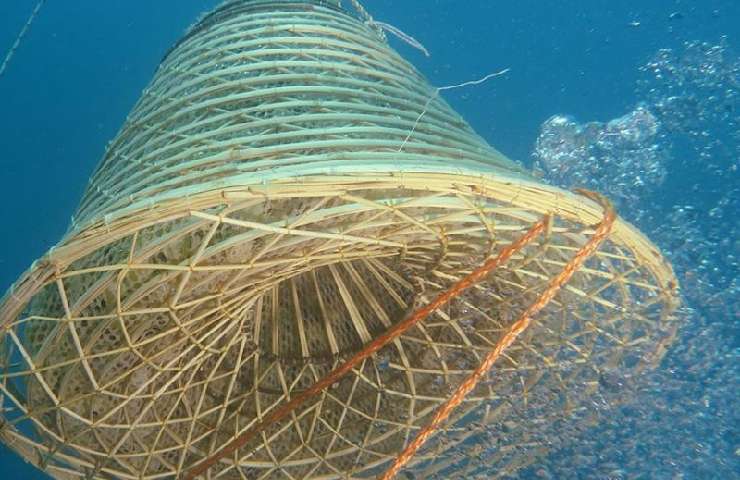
(84, 63)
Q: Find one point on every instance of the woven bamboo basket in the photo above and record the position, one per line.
(287, 188)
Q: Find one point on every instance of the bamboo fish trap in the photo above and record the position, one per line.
(288, 190)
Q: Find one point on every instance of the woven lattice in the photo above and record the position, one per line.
(274, 202)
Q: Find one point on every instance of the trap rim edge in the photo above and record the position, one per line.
(539, 199)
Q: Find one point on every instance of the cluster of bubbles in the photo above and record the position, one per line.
(622, 157)
(691, 89)
(682, 144)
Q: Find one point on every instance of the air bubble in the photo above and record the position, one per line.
(621, 158)
(686, 130)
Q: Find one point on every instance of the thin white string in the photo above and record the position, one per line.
(448, 87)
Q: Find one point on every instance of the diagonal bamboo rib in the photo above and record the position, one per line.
(379, 342)
(513, 332)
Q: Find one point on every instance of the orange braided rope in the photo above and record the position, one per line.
(391, 334)
(602, 232)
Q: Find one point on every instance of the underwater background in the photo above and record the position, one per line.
(637, 99)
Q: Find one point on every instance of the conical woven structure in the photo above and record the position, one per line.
(275, 201)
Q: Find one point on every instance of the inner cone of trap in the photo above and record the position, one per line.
(288, 188)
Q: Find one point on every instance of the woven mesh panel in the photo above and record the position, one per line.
(278, 89)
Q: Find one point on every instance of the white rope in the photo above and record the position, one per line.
(405, 37)
(18, 40)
